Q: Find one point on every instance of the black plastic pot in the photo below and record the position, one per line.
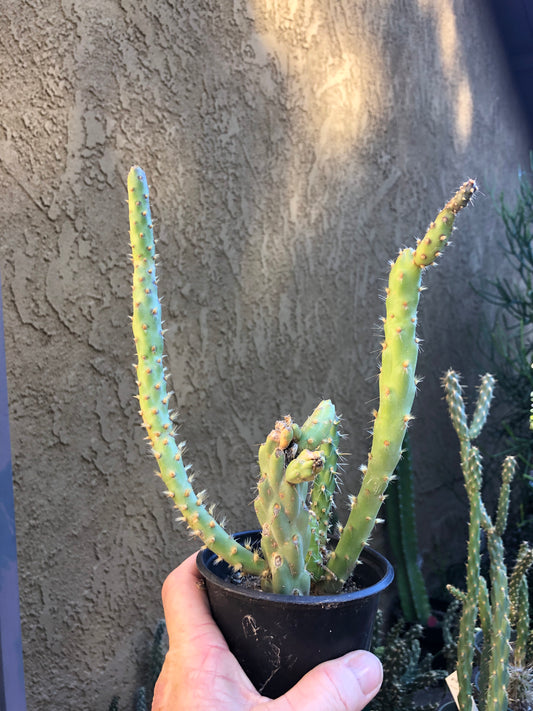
(279, 638)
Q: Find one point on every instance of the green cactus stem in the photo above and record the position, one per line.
(522, 625)
(397, 387)
(519, 599)
(321, 504)
(494, 608)
(498, 675)
(471, 466)
(153, 394)
(282, 512)
(402, 536)
(465, 646)
(524, 561)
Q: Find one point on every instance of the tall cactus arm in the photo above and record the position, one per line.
(153, 395)
(465, 643)
(397, 386)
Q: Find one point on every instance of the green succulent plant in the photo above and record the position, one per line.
(406, 668)
(500, 605)
(298, 465)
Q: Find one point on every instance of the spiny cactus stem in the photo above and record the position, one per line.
(282, 513)
(522, 624)
(438, 233)
(524, 561)
(153, 395)
(320, 432)
(484, 399)
(397, 390)
(465, 643)
(498, 677)
(397, 385)
(485, 619)
(508, 472)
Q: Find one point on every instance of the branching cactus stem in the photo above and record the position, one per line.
(498, 608)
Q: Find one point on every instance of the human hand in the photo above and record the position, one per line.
(201, 674)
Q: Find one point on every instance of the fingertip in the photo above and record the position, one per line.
(346, 682)
(367, 669)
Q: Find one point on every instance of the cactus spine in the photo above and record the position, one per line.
(293, 460)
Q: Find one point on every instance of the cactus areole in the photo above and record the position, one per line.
(297, 463)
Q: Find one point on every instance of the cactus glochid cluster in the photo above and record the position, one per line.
(298, 465)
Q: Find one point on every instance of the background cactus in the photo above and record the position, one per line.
(406, 669)
(505, 601)
(403, 541)
(294, 557)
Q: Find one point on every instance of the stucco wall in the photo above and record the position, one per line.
(292, 146)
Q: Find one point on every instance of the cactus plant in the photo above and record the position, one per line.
(406, 669)
(505, 604)
(403, 541)
(294, 557)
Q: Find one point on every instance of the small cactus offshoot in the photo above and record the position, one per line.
(298, 465)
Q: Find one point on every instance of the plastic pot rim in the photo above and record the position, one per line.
(369, 556)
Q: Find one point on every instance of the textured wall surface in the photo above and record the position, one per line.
(292, 146)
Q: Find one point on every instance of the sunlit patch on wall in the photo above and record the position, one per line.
(333, 72)
(454, 68)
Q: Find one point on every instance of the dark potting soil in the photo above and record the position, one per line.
(253, 582)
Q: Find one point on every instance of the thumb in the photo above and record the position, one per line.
(345, 684)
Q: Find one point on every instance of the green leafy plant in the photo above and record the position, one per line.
(502, 603)
(298, 465)
(510, 336)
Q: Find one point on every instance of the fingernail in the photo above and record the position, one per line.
(367, 669)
